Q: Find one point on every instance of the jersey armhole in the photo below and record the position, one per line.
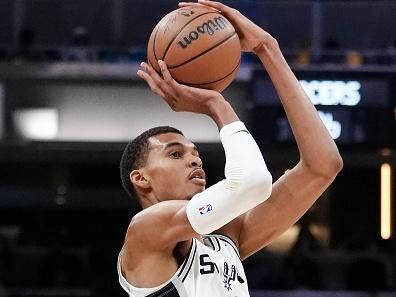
(227, 239)
(180, 273)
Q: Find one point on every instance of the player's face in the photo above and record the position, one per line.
(174, 167)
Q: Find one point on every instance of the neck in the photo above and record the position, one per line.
(148, 200)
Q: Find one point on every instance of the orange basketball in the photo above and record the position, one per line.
(199, 46)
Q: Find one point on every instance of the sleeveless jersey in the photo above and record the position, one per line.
(212, 268)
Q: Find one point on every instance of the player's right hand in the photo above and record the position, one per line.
(178, 96)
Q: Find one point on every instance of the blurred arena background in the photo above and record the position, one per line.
(70, 100)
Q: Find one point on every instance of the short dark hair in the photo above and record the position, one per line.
(135, 155)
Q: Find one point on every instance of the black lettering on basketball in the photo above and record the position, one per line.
(221, 22)
(205, 28)
(187, 13)
(185, 42)
(193, 35)
(209, 27)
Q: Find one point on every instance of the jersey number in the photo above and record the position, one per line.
(207, 265)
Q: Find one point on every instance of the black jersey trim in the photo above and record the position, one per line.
(227, 239)
(244, 130)
(218, 243)
(169, 291)
(226, 236)
(235, 250)
(211, 243)
(191, 263)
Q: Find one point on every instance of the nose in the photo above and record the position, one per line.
(196, 162)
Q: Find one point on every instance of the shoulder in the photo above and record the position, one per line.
(159, 228)
(153, 220)
(145, 240)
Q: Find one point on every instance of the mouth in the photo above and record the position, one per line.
(198, 176)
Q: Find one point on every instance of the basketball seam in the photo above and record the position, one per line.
(155, 37)
(211, 82)
(204, 52)
(181, 29)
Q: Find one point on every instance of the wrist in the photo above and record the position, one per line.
(265, 43)
(222, 112)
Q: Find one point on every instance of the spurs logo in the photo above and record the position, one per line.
(210, 27)
(229, 275)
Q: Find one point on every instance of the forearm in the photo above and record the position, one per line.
(222, 112)
(317, 148)
(247, 183)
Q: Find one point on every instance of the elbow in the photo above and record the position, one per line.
(338, 163)
(334, 165)
(264, 185)
(257, 184)
(330, 168)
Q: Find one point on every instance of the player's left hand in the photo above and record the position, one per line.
(179, 97)
(251, 35)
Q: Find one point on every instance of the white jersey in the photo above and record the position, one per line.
(212, 268)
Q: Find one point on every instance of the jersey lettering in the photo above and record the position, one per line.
(207, 265)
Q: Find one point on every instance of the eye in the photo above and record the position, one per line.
(175, 155)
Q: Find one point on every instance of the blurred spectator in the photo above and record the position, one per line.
(63, 270)
(304, 52)
(331, 44)
(392, 47)
(80, 49)
(354, 58)
(303, 57)
(391, 51)
(358, 242)
(262, 270)
(332, 52)
(300, 271)
(26, 50)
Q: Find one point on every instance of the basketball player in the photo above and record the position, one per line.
(188, 240)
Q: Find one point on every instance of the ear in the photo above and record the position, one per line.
(139, 179)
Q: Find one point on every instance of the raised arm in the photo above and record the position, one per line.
(320, 162)
(246, 172)
(174, 221)
(295, 192)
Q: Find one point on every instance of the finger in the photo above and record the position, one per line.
(214, 4)
(184, 4)
(150, 71)
(151, 83)
(195, 4)
(169, 86)
(226, 10)
(165, 72)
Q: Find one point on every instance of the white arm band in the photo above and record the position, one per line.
(247, 183)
